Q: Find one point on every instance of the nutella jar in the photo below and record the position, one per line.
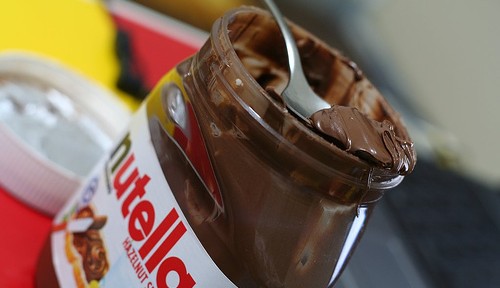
(216, 184)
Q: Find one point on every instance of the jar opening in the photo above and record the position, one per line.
(249, 44)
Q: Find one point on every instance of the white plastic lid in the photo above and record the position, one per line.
(55, 126)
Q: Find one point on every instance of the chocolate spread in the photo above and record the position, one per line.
(360, 121)
(370, 140)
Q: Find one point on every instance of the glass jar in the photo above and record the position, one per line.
(293, 205)
(265, 197)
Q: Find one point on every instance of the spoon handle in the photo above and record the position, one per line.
(298, 95)
(291, 48)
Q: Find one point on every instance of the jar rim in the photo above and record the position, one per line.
(377, 178)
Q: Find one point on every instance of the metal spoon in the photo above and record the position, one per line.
(298, 95)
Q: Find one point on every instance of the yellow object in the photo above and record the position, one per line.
(199, 13)
(78, 33)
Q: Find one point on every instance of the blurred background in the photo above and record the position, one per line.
(437, 62)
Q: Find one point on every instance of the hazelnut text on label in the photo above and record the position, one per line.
(129, 186)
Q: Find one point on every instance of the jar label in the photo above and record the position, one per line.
(126, 229)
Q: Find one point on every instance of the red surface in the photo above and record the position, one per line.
(23, 234)
(23, 230)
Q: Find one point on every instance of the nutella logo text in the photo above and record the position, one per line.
(129, 187)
